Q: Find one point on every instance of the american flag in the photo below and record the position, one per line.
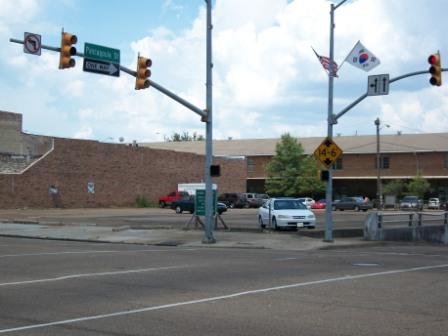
(325, 61)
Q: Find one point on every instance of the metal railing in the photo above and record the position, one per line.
(418, 217)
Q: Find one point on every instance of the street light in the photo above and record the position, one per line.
(379, 186)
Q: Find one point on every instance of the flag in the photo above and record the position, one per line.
(325, 61)
(362, 58)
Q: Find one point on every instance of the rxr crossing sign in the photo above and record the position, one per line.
(327, 152)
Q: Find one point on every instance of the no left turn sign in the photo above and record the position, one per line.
(32, 44)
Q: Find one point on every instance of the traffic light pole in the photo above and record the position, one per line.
(365, 95)
(330, 121)
(206, 116)
(133, 73)
(208, 237)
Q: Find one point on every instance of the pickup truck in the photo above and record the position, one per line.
(171, 197)
(188, 205)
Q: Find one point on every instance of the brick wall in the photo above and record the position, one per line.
(120, 173)
(10, 132)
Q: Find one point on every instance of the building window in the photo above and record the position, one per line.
(250, 166)
(338, 164)
(384, 162)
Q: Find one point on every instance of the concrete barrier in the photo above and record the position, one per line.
(415, 227)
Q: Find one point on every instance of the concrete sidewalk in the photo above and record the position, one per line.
(81, 225)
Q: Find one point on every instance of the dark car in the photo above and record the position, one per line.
(256, 200)
(188, 205)
(352, 203)
(234, 200)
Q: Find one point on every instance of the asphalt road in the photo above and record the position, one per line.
(166, 218)
(72, 288)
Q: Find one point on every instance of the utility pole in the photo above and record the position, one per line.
(379, 192)
(331, 121)
(208, 232)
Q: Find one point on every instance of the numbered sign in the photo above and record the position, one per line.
(328, 152)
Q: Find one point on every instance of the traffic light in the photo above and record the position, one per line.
(215, 170)
(141, 79)
(436, 69)
(67, 51)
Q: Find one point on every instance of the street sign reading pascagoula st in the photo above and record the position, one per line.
(328, 152)
(101, 60)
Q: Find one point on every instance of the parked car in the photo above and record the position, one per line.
(256, 200)
(308, 201)
(320, 204)
(434, 203)
(285, 213)
(188, 205)
(352, 203)
(172, 196)
(411, 203)
(234, 200)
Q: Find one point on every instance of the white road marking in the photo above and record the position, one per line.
(286, 258)
(401, 254)
(223, 297)
(87, 252)
(88, 275)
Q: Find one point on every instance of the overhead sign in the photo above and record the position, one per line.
(378, 85)
(32, 44)
(199, 202)
(100, 53)
(328, 152)
(101, 60)
(102, 68)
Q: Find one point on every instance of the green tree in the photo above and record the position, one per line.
(418, 185)
(185, 136)
(395, 187)
(291, 172)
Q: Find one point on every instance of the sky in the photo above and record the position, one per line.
(267, 80)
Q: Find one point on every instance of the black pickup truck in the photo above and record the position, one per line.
(188, 205)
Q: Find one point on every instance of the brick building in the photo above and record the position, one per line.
(403, 156)
(84, 173)
(42, 171)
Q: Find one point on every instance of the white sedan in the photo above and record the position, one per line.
(285, 212)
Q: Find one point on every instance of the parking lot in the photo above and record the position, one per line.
(50, 287)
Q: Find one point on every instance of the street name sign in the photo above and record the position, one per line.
(102, 68)
(328, 152)
(378, 85)
(101, 60)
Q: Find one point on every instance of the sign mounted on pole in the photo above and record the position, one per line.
(199, 202)
(328, 152)
(101, 60)
(32, 44)
(378, 85)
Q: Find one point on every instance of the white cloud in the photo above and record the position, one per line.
(267, 80)
(85, 132)
(17, 11)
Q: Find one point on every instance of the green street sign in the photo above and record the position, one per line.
(199, 202)
(100, 53)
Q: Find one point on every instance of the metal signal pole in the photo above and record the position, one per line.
(331, 121)
(208, 236)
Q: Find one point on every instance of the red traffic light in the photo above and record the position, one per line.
(433, 59)
(435, 69)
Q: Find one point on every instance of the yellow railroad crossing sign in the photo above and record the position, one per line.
(327, 152)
